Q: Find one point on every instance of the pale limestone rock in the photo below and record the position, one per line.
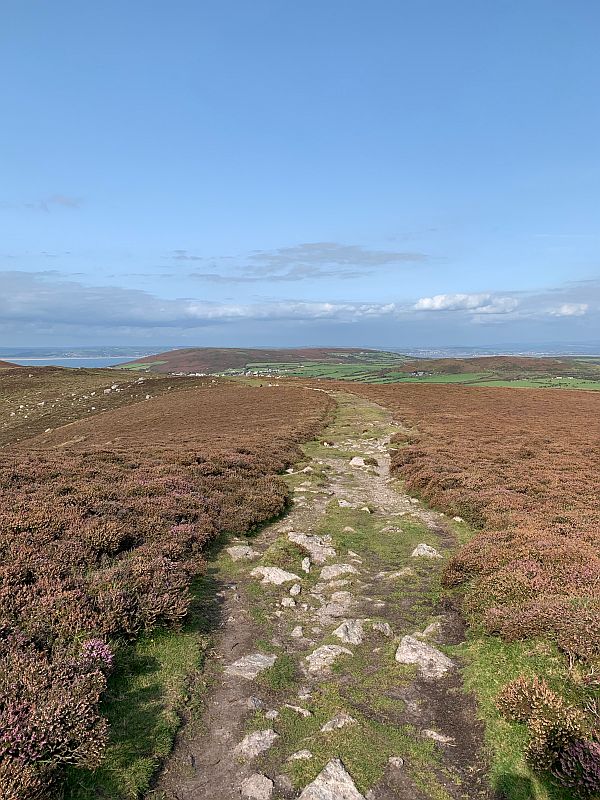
(321, 660)
(332, 783)
(295, 590)
(249, 666)
(339, 721)
(335, 570)
(306, 564)
(348, 529)
(272, 714)
(288, 602)
(396, 762)
(301, 755)
(242, 551)
(440, 738)
(274, 575)
(344, 504)
(303, 712)
(357, 461)
(431, 662)
(256, 743)
(425, 551)
(366, 509)
(297, 632)
(432, 631)
(457, 519)
(383, 627)
(351, 631)
(339, 606)
(257, 787)
(318, 547)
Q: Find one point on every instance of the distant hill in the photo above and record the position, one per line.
(216, 360)
(8, 365)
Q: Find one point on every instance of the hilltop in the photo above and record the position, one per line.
(223, 359)
(8, 365)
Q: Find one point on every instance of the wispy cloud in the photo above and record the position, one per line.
(308, 261)
(46, 204)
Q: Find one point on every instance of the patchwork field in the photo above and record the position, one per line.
(377, 366)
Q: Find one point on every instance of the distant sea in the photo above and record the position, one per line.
(73, 357)
(77, 361)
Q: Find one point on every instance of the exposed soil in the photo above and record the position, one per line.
(396, 711)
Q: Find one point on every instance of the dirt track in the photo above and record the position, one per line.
(403, 734)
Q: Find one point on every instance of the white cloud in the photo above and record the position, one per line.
(482, 303)
(569, 310)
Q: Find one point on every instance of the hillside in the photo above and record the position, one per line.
(378, 366)
(221, 359)
(8, 365)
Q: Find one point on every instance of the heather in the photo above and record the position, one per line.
(523, 469)
(103, 525)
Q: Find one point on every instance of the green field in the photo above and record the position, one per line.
(385, 371)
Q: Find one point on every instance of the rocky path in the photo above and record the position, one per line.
(333, 676)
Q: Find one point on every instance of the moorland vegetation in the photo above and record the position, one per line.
(103, 524)
(522, 468)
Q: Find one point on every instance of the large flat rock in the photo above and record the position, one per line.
(249, 666)
(321, 660)
(256, 743)
(274, 575)
(332, 783)
(319, 547)
(431, 662)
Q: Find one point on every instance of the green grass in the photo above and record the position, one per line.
(491, 663)
(153, 680)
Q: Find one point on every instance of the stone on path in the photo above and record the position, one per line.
(432, 663)
(339, 606)
(297, 632)
(335, 570)
(301, 755)
(242, 551)
(433, 630)
(256, 743)
(288, 602)
(303, 712)
(249, 666)
(351, 631)
(321, 660)
(425, 551)
(344, 504)
(319, 547)
(440, 738)
(274, 575)
(383, 627)
(339, 721)
(257, 787)
(332, 783)
(357, 461)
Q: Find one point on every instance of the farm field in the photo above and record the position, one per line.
(373, 366)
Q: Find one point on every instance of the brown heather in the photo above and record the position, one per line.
(523, 467)
(103, 524)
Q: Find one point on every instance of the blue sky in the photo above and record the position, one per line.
(412, 172)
